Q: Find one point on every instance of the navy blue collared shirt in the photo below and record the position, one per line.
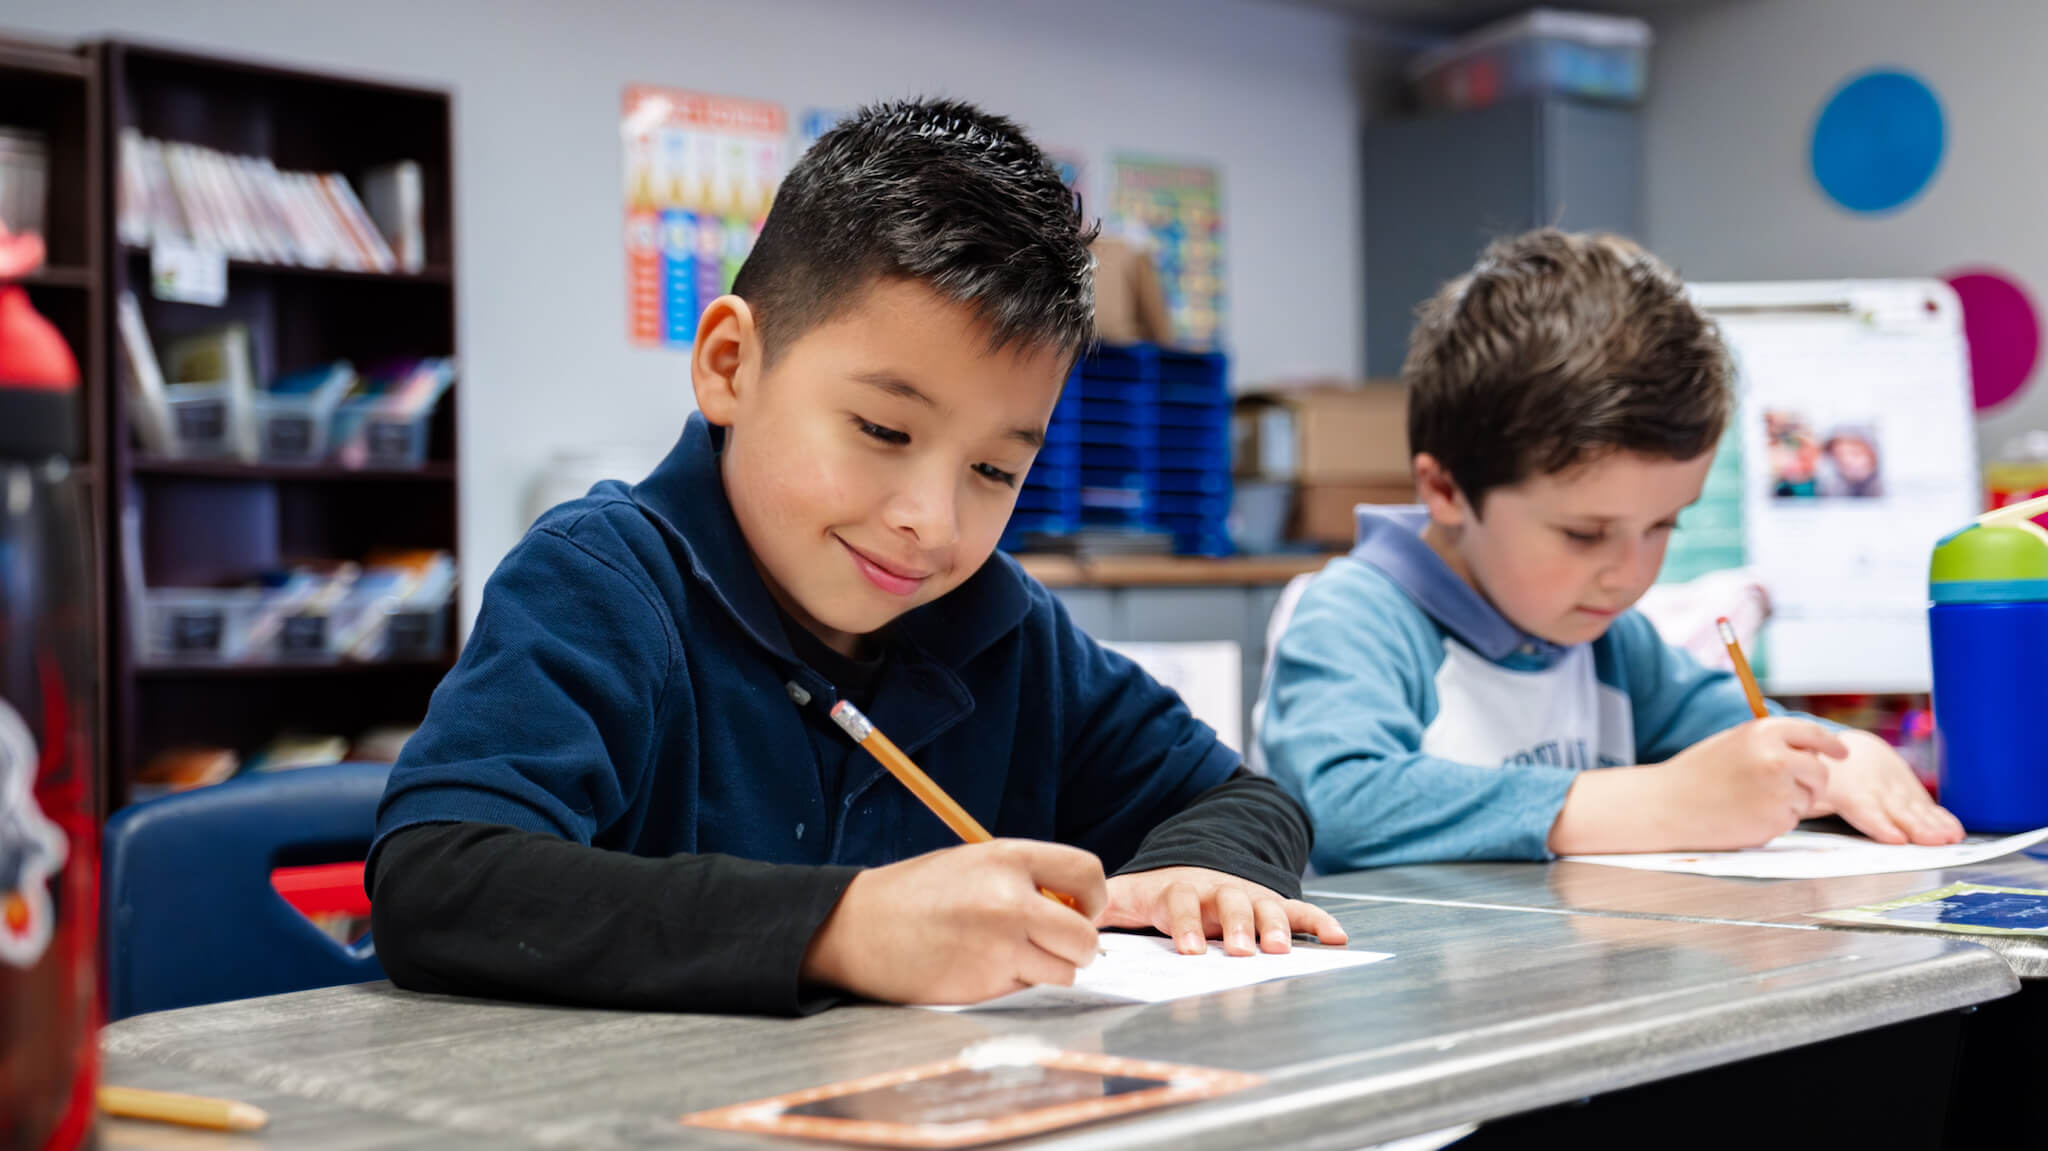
(628, 685)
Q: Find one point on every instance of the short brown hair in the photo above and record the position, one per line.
(1556, 349)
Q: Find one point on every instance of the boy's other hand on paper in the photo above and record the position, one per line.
(1876, 791)
(1741, 788)
(961, 925)
(1193, 905)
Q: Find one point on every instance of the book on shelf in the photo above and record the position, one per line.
(395, 196)
(369, 243)
(149, 410)
(247, 209)
(381, 744)
(290, 751)
(182, 769)
(219, 359)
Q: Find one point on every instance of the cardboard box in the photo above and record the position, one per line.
(1130, 302)
(1323, 511)
(1324, 434)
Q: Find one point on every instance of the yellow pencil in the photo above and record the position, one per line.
(189, 1110)
(864, 733)
(1742, 672)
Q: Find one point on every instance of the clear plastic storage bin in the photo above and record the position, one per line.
(201, 419)
(292, 427)
(1541, 52)
(414, 633)
(200, 625)
(368, 437)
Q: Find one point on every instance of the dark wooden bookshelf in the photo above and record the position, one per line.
(202, 522)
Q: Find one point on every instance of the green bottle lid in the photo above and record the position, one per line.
(1997, 563)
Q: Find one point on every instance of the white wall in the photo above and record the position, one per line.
(1735, 88)
(1261, 89)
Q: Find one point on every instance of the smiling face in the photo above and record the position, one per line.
(873, 466)
(1562, 555)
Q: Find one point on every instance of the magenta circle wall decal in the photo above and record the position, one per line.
(2003, 329)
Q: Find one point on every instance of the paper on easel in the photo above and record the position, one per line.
(1820, 855)
(1147, 969)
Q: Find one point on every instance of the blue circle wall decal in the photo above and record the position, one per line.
(1878, 141)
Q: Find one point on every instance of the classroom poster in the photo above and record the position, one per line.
(1073, 169)
(814, 123)
(1177, 209)
(700, 173)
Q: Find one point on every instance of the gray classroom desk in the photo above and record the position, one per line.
(1589, 888)
(1482, 1013)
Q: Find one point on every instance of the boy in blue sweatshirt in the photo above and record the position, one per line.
(1470, 682)
(629, 792)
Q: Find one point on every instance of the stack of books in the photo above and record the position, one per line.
(246, 208)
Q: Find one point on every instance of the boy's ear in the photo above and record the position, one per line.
(1439, 492)
(725, 361)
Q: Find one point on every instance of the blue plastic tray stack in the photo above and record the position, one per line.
(1140, 441)
(1191, 477)
(1050, 500)
(1119, 388)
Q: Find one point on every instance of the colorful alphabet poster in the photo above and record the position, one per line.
(1176, 209)
(701, 171)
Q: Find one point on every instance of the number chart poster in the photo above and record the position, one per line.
(1178, 209)
(700, 173)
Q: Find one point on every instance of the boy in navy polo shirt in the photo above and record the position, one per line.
(628, 792)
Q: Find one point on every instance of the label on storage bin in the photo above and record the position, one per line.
(288, 437)
(304, 634)
(390, 443)
(202, 424)
(407, 633)
(188, 275)
(197, 630)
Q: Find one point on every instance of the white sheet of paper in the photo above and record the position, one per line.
(1428, 1140)
(1820, 855)
(1146, 969)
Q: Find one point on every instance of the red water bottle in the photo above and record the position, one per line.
(49, 819)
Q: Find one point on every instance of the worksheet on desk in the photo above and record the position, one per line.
(1147, 969)
(1821, 855)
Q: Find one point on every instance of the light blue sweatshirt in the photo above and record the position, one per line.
(1417, 724)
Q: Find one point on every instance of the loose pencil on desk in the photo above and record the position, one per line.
(866, 734)
(1742, 672)
(188, 1110)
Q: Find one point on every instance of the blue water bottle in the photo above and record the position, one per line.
(1989, 628)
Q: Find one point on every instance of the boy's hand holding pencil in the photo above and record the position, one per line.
(962, 925)
(1746, 786)
(1868, 784)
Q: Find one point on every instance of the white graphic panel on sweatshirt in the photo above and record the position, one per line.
(1562, 716)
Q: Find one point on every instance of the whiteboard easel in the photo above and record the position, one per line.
(1831, 374)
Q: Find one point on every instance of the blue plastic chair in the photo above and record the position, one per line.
(189, 913)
